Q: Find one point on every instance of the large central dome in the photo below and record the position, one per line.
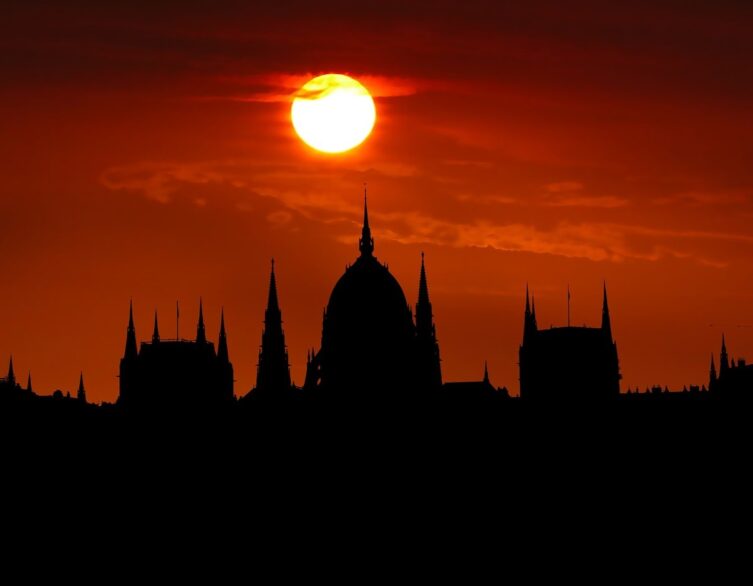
(368, 336)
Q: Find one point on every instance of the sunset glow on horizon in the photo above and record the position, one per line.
(152, 152)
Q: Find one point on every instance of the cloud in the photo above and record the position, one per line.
(704, 198)
(568, 194)
(591, 241)
(282, 87)
(588, 201)
(564, 187)
(280, 218)
(315, 193)
(158, 181)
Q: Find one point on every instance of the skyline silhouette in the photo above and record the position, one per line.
(150, 154)
(373, 344)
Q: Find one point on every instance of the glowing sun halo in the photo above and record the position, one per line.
(333, 113)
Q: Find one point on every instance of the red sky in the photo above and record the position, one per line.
(146, 152)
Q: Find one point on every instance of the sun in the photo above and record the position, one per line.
(333, 113)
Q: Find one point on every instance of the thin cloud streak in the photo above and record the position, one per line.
(594, 241)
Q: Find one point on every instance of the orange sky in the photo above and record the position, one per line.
(147, 153)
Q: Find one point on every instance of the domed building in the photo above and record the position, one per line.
(370, 342)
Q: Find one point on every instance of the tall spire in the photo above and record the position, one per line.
(486, 372)
(272, 302)
(533, 312)
(529, 318)
(11, 375)
(130, 349)
(366, 243)
(423, 287)
(155, 333)
(222, 352)
(430, 371)
(723, 359)
(28, 384)
(273, 370)
(712, 373)
(81, 394)
(201, 334)
(528, 303)
(606, 323)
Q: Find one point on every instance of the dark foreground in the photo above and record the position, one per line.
(370, 489)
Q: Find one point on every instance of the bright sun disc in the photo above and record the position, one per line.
(333, 113)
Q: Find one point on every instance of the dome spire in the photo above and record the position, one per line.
(366, 243)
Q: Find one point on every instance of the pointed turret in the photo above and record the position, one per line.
(81, 394)
(424, 317)
(366, 243)
(712, 374)
(273, 370)
(29, 388)
(131, 350)
(606, 324)
(533, 313)
(723, 358)
(11, 378)
(528, 302)
(155, 333)
(529, 319)
(222, 352)
(201, 334)
(486, 373)
(429, 368)
(272, 303)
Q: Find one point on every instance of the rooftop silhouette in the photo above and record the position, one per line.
(374, 351)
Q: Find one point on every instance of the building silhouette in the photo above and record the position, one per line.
(10, 388)
(81, 393)
(427, 346)
(373, 346)
(175, 374)
(370, 343)
(273, 368)
(568, 363)
(474, 391)
(734, 379)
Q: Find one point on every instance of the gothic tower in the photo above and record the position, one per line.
(223, 360)
(11, 378)
(568, 363)
(273, 370)
(606, 323)
(81, 394)
(723, 359)
(170, 375)
(128, 364)
(155, 333)
(201, 334)
(427, 347)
